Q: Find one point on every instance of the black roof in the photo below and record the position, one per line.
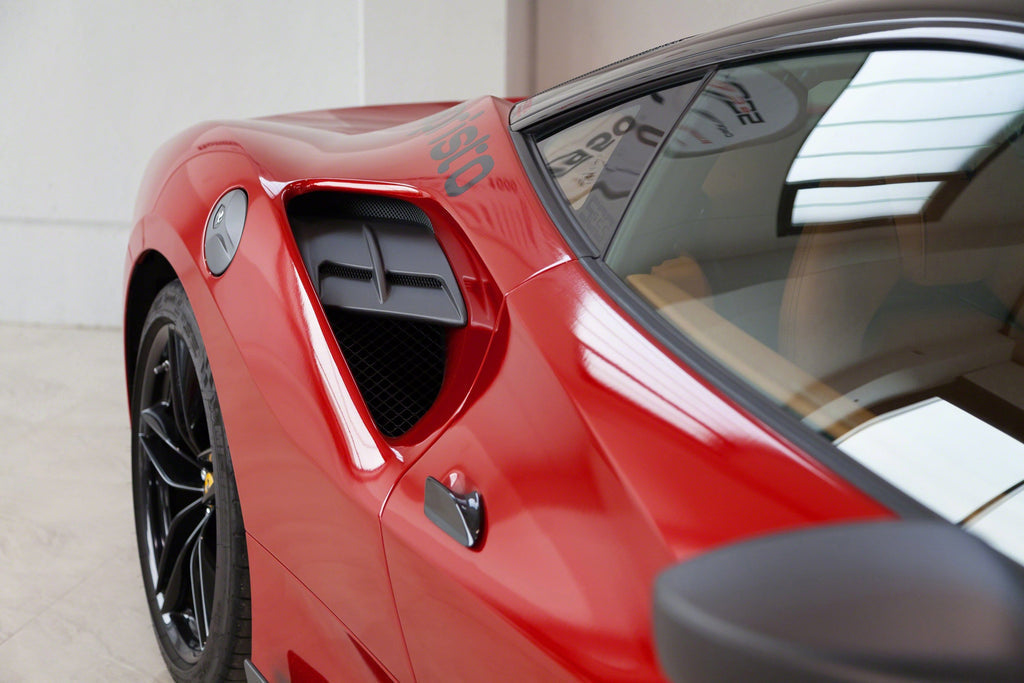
(996, 23)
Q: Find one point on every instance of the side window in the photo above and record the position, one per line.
(597, 162)
(845, 233)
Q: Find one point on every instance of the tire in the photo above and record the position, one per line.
(187, 517)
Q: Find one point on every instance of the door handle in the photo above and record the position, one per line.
(461, 517)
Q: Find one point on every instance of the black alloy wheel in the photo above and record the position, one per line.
(187, 517)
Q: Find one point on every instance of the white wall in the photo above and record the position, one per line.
(422, 51)
(90, 90)
(576, 36)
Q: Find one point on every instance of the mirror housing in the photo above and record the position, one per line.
(902, 600)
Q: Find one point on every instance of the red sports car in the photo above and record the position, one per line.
(708, 365)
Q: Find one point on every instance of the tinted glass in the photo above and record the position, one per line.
(846, 233)
(598, 162)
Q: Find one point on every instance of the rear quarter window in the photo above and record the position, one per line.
(597, 162)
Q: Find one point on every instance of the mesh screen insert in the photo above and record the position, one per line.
(397, 364)
(329, 269)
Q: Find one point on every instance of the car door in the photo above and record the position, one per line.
(513, 533)
(742, 228)
(523, 544)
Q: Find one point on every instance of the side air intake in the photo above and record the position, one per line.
(389, 294)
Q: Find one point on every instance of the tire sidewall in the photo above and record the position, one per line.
(231, 589)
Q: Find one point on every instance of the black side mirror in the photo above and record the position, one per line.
(893, 601)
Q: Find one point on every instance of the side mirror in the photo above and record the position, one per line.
(893, 601)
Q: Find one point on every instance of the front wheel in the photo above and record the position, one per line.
(187, 517)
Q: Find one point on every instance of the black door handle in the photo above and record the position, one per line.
(461, 517)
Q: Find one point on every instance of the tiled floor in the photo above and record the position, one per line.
(71, 600)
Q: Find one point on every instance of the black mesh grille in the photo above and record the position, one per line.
(386, 208)
(317, 204)
(329, 269)
(397, 364)
(422, 281)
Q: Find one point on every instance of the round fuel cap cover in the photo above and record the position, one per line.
(224, 230)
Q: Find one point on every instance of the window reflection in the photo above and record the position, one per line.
(855, 252)
(837, 204)
(914, 112)
(898, 119)
(597, 162)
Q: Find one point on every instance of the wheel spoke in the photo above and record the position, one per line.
(181, 534)
(168, 464)
(185, 394)
(158, 419)
(201, 576)
(176, 595)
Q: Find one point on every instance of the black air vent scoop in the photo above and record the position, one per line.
(389, 294)
(380, 266)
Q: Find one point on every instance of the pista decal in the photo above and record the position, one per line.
(459, 149)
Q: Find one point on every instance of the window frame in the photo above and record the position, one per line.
(527, 145)
(964, 35)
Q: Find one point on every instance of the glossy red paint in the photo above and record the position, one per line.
(327, 646)
(287, 413)
(601, 459)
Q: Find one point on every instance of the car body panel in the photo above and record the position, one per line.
(599, 460)
(287, 402)
(301, 639)
(601, 456)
